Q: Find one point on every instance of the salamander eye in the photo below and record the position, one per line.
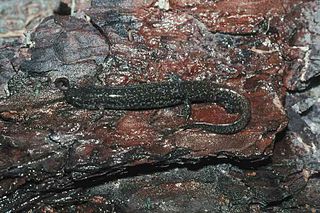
(62, 83)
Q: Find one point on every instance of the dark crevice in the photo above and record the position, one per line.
(280, 137)
(63, 9)
(307, 111)
(315, 176)
(147, 169)
(311, 83)
(277, 203)
(235, 34)
(97, 27)
(102, 175)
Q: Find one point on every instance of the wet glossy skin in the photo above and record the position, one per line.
(161, 95)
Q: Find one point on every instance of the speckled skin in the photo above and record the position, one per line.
(167, 94)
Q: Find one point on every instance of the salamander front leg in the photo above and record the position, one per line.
(100, 113)
(186, 109)
(173, 77)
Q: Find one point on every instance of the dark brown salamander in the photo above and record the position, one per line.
(160, 95)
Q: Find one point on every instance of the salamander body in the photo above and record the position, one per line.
(167, 94)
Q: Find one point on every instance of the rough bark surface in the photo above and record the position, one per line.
(56, 157)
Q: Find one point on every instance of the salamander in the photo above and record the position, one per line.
(166, 94)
